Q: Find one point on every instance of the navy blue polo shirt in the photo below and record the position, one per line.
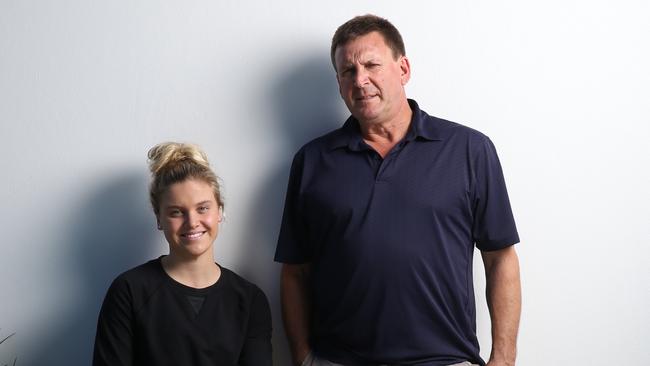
(391, 240)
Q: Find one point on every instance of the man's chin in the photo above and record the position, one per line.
(365, 109)
(366, 116)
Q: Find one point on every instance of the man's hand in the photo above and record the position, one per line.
(296, 308)
(503, 293)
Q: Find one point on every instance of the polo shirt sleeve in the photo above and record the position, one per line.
(292, 245)
(494, 225)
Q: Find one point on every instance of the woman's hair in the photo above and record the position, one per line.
(173, 162)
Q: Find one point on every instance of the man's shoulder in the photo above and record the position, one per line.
(435, 128)
(327, 141)
(447, 129)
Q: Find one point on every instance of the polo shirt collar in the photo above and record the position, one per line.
(421, 126)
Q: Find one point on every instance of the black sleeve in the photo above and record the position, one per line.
(257, 349)
(114, 339)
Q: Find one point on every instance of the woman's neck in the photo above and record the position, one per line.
(198, 272)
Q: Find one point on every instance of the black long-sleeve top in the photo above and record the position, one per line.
(147, 318)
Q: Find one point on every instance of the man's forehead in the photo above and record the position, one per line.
(365, 45)
(373, 37)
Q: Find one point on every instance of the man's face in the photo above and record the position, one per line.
(371, 81)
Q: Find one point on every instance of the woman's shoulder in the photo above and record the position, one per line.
(135, 287)
(144, 272)
(240, 285)
(141, 279)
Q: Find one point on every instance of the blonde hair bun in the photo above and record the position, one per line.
(168, 154)
(172, 162)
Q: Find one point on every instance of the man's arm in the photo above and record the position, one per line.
(503, 291)
(294, 294)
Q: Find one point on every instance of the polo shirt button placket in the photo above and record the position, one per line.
(381, 169)
(377, 163)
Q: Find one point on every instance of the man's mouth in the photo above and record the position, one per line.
(365, 97)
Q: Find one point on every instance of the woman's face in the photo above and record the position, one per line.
(189, 216)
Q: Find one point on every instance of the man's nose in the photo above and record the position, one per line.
(360, 77)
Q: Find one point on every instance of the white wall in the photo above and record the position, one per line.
(86, 87)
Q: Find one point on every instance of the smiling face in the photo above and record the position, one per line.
(189, 217)
(371, 81)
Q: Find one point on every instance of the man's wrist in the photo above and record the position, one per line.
(501, 361)
(300, 355)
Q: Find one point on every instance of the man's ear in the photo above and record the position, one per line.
(338, 83)
(405, 66)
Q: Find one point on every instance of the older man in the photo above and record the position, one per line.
(380, 222)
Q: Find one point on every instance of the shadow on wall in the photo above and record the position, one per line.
(111, 233)
(306, 105)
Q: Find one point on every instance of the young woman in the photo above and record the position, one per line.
(183, 308)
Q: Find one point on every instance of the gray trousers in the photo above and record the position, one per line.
(312, 360)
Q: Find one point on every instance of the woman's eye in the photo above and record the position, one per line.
(175, 213)
(203, 208)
